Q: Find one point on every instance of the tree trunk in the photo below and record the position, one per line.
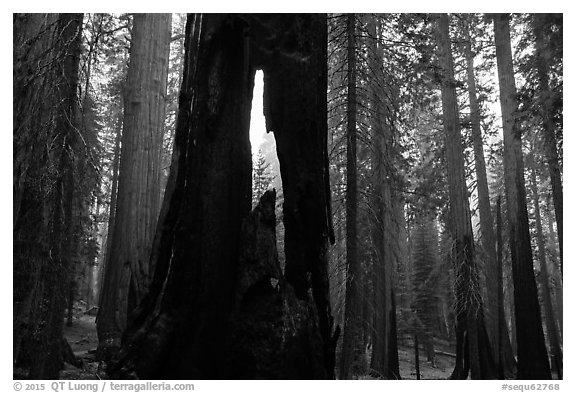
(45, 108)
(532, 356)
(187, 324)
(102, 276)
(558, 287)
(473, 345)
(553, 339)
(505, 354)
(383, 232)
(352, 308)
(541, 28)
(128, 266)
(416, 356)
(486, 222)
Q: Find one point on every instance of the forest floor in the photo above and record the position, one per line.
(441, 369)
(83, 340)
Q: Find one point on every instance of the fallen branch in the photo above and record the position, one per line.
(452, 355)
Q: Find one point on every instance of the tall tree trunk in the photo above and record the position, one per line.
(425, 258)
(541, 28)
(103, 276)
(188, 325)
(558, 288)
(352, 308)
(416, 356)
(532, 356)
(505, 354)
(553, 339)
(138, 199)
(43, 233)
(486, 222)
(383, 231)
(473, 345)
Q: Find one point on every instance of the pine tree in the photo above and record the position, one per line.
(262, 177)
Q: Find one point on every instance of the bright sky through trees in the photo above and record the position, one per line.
(257, 120)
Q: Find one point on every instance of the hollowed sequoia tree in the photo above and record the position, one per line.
(219, 306)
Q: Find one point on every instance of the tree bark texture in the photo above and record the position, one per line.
(473, 346)
(185, 327)
(558, 286)
(111, 213)
(541, 28)
(129, 269)
(384, 234)
(352, 307)
(532, 356)
(550, 320)
(45, 142)
(505, 355)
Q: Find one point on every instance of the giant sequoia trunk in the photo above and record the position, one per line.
(45, 142)
(203, 298)
(473, 352)
(532, 356)
(128, 269)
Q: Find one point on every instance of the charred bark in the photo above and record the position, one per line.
(197, 303)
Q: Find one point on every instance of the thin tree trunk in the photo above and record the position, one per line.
(532, 356)
(473, 344)
(558, 288)
(486, 222)
(541, 27)
(553, 340)
(351, 324)
(416, 356)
